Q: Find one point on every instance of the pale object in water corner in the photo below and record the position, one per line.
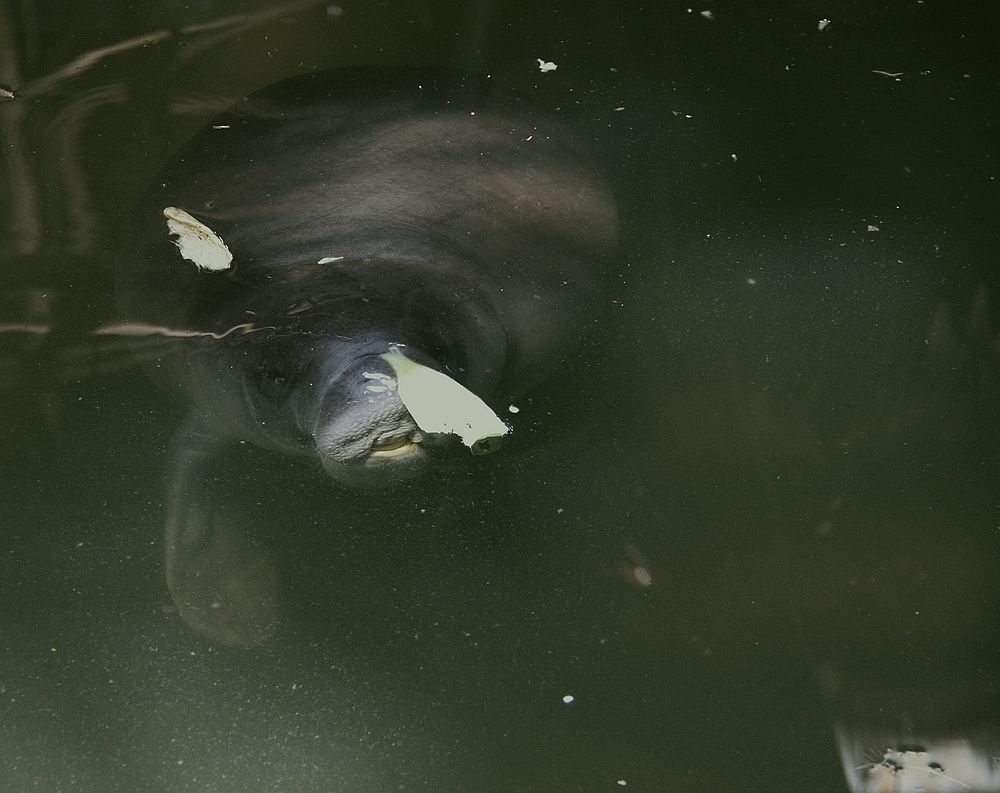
(944, 765)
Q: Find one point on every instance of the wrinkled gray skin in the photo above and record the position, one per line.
(470, 231)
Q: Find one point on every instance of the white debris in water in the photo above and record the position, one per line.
(513, 408)
(641, 576)
(439, 404)
(568, 699)
(197, 242)
(546, 66)
(823, 25)
(622, 782)
(330, 259)
(943, 765)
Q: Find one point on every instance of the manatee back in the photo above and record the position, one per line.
(435, 171)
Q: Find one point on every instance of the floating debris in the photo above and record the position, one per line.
(197, 242)
(546, 66)
(948, 765)
(823, 25)
(634, 566)
(439, 404)
(330, 259)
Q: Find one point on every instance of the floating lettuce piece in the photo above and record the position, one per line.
(439, 404)
(197, 242)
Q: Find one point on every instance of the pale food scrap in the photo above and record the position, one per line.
(197, 242)
(439, 404)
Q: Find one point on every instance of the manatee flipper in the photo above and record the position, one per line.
(222, 583)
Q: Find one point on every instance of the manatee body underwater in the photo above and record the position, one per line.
(352, 266)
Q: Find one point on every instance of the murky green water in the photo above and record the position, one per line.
(761, 511)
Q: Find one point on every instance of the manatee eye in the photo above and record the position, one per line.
(272, 378)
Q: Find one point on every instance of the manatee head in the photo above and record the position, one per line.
(373, 412)
(373, 373)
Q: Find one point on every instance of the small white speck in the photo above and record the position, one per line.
(334, 11)
(330, 259)
(752, 281)
(622, 782)
(706, 14)
(546, 66)
(619, 109)
(220, 126)
(733, 156)
(560, 511)
(513, 408)
(568, 699)
(822, 25)
(872, 227)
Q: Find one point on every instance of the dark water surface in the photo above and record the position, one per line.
(752, 530)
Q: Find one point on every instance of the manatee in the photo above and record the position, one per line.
(352, 266)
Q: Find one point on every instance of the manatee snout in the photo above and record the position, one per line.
(363, 432)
